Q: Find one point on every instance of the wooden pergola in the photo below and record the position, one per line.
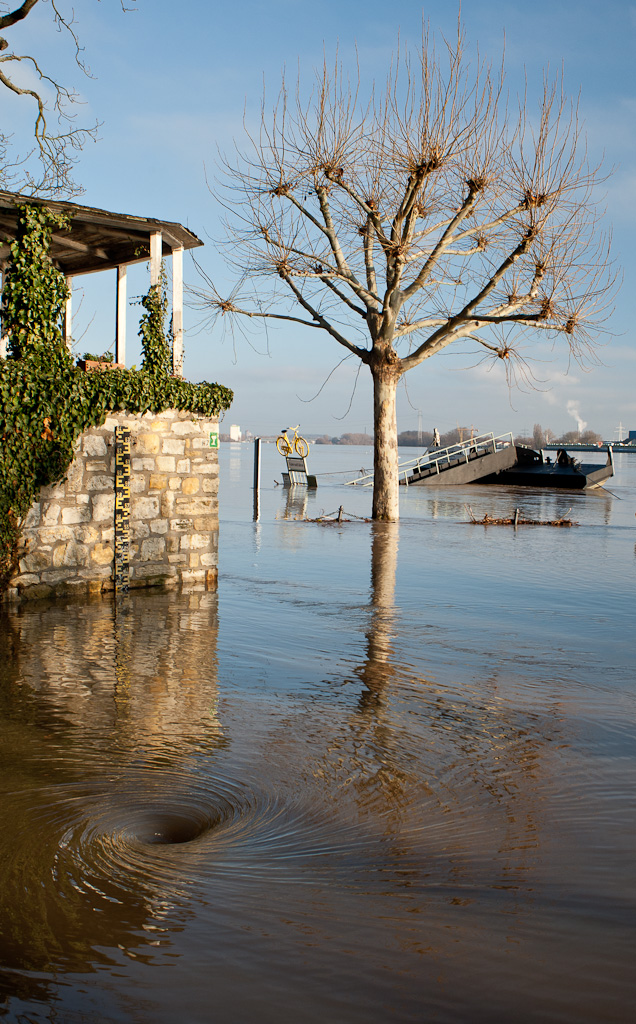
(99, 240)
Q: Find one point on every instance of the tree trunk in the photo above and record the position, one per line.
(385, 454)
(379, 667)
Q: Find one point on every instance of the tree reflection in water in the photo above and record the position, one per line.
(454, 773)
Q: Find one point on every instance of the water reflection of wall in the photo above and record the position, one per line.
(145, 666)
(104, 719)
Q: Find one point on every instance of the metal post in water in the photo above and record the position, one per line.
(257, 463)
(257, 477)
(516, 517)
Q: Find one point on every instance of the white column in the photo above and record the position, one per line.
(68, 315)
(177, 311)
(155, 257)
(120, 317)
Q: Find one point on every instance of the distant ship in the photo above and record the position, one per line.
(628, 445)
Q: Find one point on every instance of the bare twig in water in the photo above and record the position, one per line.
(518, 520)
(339, 516)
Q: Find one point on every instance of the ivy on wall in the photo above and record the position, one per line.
(45, 401)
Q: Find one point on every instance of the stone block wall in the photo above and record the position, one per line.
(67, 543)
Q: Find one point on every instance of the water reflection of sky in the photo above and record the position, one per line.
(386, 773)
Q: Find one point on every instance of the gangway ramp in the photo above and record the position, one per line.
(461, 463)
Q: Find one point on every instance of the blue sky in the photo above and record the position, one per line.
(170, 86)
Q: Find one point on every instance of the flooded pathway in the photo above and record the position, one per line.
(386, 774)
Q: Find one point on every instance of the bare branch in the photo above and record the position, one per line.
(6, 20)
(55, 144)
(343, 297)
(325, 324)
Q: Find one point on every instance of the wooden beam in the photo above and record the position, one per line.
(120, 319)
(177, 311)
(71, 243)
(155, 257)
(68, 316)
(9, 224)
(171, 238)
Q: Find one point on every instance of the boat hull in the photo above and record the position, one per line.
(565, 473)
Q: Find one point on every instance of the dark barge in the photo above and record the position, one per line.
(490, 459)
(531, 469)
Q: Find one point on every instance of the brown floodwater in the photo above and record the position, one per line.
(386, 773)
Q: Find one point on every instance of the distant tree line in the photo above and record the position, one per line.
(541, 437)
(424, 438)
(408, 438)
(366, 439)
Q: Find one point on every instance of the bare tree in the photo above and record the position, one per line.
(538, 436)
(56, 136)
(426, 216)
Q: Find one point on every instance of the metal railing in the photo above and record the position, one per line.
(436, 460)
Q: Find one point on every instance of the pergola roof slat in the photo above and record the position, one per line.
(71, 243)
(97, 240)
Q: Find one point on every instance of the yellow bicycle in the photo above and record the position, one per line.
(287, 445)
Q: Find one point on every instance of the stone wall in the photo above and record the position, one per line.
(68, 538)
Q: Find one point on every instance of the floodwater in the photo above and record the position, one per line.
(386, 774)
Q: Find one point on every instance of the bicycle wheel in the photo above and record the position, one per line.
(301, 446)
(283, 446)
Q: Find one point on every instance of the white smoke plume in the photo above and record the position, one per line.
(573, 410)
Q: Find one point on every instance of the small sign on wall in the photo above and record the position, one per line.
(214, 439)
